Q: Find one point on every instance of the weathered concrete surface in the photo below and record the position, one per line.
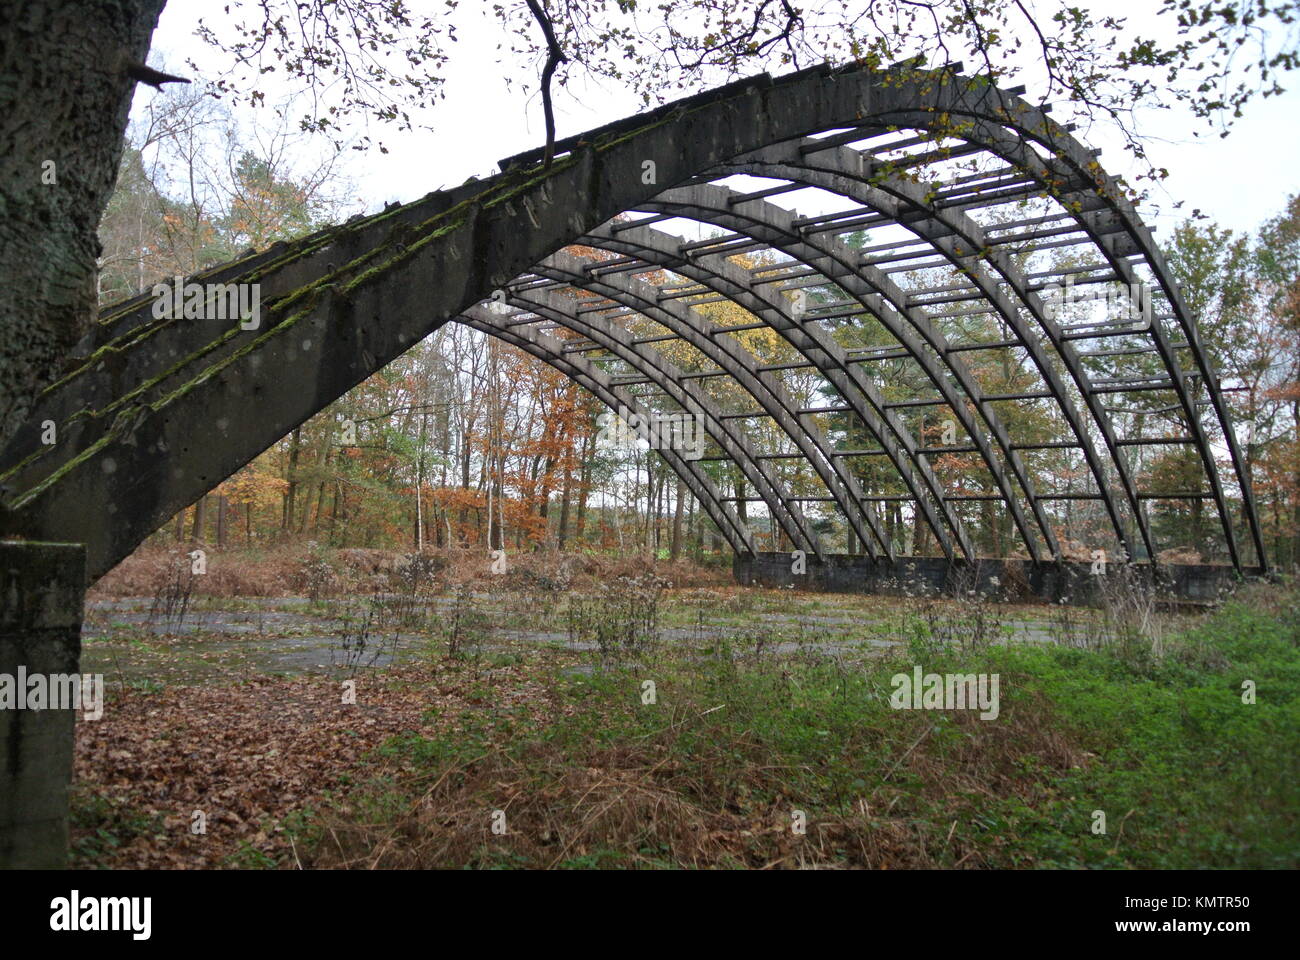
(164, 409)
(42, 588)
(154, 409)
(1062, 581)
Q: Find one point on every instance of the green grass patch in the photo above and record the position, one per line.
(757, 759)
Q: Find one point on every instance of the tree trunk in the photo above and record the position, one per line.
(464, 474)
(677, 519)
(221, 521)
(562, 534)
(200, 518)
(320, 505)
(419, 483)
(295, 448)
(647, 531)
(63, 113)
(695, 532)
(660, 485)
(1295, 507)
(584, 488)
(544, 501)
(321, 461)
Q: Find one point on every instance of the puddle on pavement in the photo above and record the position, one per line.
(290, 635)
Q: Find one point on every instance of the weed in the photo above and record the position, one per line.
(619, 618)
(171, 598)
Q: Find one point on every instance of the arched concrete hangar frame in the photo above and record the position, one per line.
(626, 262)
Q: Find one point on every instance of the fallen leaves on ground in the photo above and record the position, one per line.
(246, 756)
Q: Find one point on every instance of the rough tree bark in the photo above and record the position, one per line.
(65, 93)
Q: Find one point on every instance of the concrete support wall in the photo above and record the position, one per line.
(1010, 580)
(42, 590)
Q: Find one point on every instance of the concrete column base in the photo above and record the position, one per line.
(42, 595)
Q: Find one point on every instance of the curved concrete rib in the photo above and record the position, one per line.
(667, 377)
(739, 364)
(155, 411)
(717, 274)
(551, 350)
(949, 232)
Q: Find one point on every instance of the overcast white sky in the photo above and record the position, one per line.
(1239, 181)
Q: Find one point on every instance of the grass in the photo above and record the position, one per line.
(742, 746)
(770, 740)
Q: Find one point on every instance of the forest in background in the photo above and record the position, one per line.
(468, 441)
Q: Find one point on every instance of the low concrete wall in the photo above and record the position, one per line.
(42, 591)
(1010, 580)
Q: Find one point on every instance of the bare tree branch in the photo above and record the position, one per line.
(554, 57)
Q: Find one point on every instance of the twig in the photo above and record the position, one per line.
(1119, 835)
(678, 723)
(907, 753)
